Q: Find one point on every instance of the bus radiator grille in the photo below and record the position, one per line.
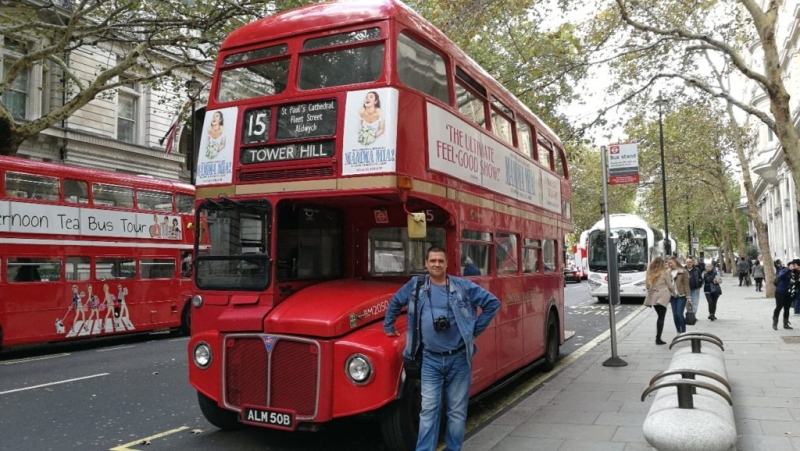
(294, 371)
(245, 372)
(292, 374)
(286, 174)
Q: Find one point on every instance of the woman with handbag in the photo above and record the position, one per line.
(659, 289)
(681, 292)
(712, 290)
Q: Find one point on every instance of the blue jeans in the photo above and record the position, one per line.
(696, 300)
(678, 307)
(449, 374)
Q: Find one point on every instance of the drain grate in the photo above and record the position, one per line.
(791, 340)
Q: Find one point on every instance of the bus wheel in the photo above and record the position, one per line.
(1, 337)
(186, 318)
(219, 417)
(551, 344)
(400, 419)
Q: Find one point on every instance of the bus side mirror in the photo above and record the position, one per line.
(416, 225)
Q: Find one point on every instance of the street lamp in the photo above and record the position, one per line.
(193, 89)
(667, 245)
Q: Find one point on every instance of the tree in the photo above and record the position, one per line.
(587, 190)
(698, 170)
(153, 42)
(704, 45)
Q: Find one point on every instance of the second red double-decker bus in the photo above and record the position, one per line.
(341, 141)
(88, 253)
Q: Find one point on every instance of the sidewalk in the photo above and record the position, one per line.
(587, 406)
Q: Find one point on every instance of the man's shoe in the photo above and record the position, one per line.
(775, 322)
(786, 325)
(660, 341)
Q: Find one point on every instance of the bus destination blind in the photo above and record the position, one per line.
(307, 120)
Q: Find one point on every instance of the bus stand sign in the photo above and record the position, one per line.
(623, 164)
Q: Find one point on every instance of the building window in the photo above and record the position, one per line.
(128, 107)
(16, 98)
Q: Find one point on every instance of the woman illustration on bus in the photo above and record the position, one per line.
(122, 319)
(371, 125)
(175, 232)
(93, 302)
(216, 136)
(108, 306)
(78, 306)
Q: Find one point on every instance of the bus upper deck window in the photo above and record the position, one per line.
(30, 186)
(76, 191)
(265, 75)
(112, 195)
(342, 66)
(154, 200)
(422, 68)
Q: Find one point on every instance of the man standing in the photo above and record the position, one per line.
(783, 297)
(743, 267)
(447, 320)
(695, 283)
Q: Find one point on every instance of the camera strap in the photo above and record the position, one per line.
(417, 310)
(447, 295)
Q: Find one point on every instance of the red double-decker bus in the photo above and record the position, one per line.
(341, 141)
(88, 253)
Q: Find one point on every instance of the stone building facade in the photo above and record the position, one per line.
(773, 183)
(121, 130)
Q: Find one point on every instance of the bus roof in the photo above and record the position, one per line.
(65, 170)
(322, 16)
(622, 220)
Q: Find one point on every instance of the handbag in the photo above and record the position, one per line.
(716, 289)
(690, 318)
(413, 365)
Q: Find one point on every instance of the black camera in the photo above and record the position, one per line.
(441, 323)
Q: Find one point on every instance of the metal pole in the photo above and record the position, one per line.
(667, 244)
(611, 267)
(191, 146)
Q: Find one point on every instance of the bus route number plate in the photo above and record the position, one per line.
(272, 418)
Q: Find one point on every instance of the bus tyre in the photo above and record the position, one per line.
(219, 417)
(400, 419)
(551, 344)
(1, 338)
(186, 319)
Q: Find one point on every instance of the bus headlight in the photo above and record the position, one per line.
(202, 355)
(358, 369)
(197, 301)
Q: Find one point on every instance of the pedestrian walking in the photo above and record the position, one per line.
(794, 287)
(443, 311)
(695, 283)
(783, 299)
(712, 290)
(743, 267)
(681, 291)
(758, 274)
(659, 291)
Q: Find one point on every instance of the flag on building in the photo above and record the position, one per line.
(170, 140)
(172, 136)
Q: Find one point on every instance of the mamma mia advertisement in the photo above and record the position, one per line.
(370, 132)
(215, 158)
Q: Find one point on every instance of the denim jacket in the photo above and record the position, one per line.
(464, 298)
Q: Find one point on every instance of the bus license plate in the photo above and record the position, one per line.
(273, 418)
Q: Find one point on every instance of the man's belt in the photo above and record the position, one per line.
(450, 352)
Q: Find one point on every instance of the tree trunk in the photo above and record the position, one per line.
(9, 140)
